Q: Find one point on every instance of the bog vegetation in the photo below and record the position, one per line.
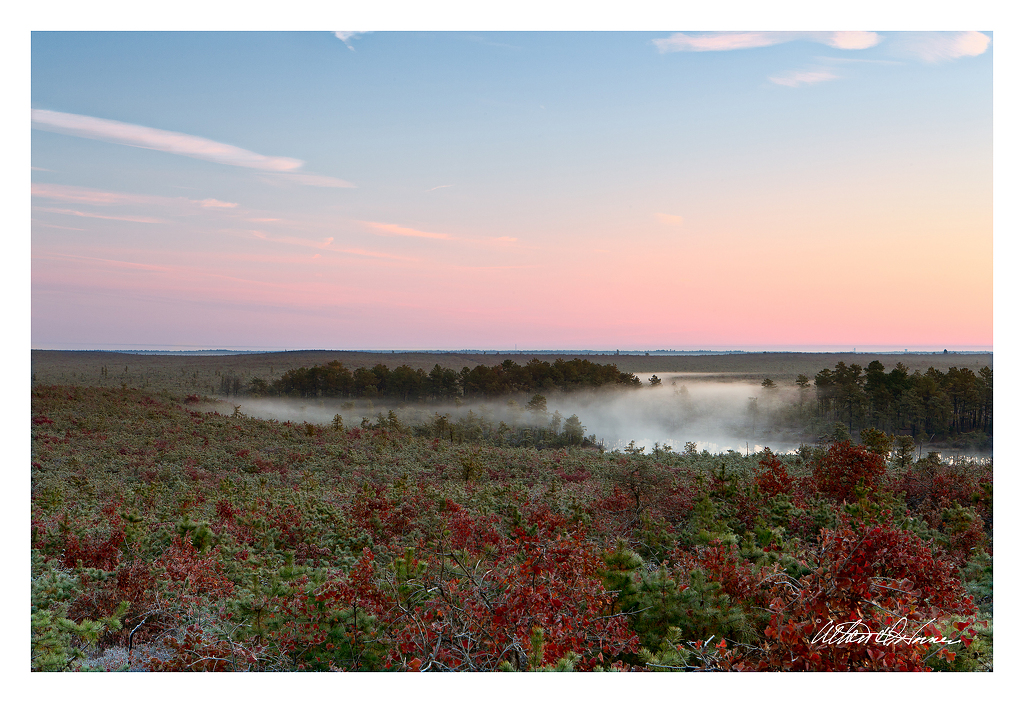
(167, 536)
(954, 408)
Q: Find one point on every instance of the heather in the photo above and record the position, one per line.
(170, 535)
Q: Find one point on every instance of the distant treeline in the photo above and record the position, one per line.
(929, 403)
(406, 384)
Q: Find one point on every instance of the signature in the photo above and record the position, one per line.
(855, 632)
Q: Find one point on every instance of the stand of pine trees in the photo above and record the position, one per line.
(932, 404)
(334, 380)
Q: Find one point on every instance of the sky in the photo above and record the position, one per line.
(497, 190)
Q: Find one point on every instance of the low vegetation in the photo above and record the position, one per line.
(167, 536)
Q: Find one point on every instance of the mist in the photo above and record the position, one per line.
(715, 415)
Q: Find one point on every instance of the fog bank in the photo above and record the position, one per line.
(716, 415)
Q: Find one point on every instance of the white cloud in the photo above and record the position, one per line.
(933, 47)
(729, 41)
(345, 36)
(91, 196)
(846, 59)
(311, 179)
(77, 194)
(177, 143)
(159, 140)
(326, 245)
(852, 40)
(47, 224)
(724, 41)
(112, 262)
(796, 78)
(387, 228)
(78, 213)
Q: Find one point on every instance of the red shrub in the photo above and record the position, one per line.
(94, 551)
(487, 614)
(871, 576)
(190, 573)
(846, 467)
(772, 478)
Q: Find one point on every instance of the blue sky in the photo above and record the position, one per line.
(491, 189)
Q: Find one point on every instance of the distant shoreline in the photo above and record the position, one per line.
(507, 352)
(200, 370)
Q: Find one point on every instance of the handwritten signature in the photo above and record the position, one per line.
(856, 632)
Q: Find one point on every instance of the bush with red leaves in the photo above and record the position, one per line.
(870, 578)
(847, 467)
(772, 477)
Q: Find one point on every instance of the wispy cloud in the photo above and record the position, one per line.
(496, 267)
(177, 143)
(726, 41)
(488, 42)
(848, 40)
(386, 228)
(346, 36)
(730, 41)
(436, 187)
(935, 47)
(793, 79)
(310, 179)
(297, 241)
(159, 140)
(847, 59)
(668, 219)
(79, 213)
(374, 254)
(47, 224)
(325, 244)
(91, 196)
(213, 202)
(111, 262)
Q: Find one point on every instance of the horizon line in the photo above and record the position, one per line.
(181, 348)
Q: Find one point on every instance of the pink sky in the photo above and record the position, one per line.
(807, 190)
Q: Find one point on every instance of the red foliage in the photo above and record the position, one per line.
(186, 571)
(964, 530)
(469, 532)
(226, 510)
(872, 575)
(943, 484)
(723, 563)
(387, 517)
(846, 467)
(485, 611)
(94, 550)
(197, 650)
(772, 478)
